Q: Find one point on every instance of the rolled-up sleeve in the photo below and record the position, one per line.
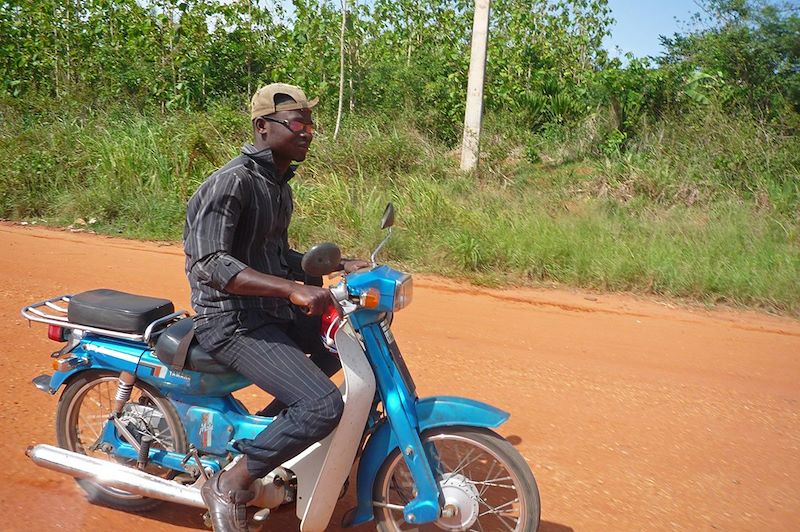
(212, 217)
(217, 270)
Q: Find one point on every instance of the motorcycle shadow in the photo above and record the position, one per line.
(548, 526)
(177, 515)
(282, 519)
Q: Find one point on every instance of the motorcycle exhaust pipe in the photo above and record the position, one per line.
(114, 475)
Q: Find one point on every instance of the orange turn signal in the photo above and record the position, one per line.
(371, 298)
(68, 362)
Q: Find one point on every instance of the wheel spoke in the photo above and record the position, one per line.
(494, 483)
(480, 526)
(507, 525)
(501, 516)
(90, 425)
(488, 476)
(495, 509)
(108, 396)
(463, 463)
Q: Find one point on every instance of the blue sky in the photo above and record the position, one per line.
(639, 23)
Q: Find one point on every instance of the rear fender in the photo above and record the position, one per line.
(59, 378)
(432, 412)
(99, 354)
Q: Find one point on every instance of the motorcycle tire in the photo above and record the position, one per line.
(487, 484)
(84, 408)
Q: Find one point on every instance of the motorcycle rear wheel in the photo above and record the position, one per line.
(487, 485)
(82, 412)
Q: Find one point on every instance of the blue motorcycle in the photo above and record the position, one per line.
(146, 415)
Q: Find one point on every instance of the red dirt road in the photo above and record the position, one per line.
(634, 414)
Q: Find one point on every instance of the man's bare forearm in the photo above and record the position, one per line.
(250, 282)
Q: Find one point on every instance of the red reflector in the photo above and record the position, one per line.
(56, 333)
(330, 324)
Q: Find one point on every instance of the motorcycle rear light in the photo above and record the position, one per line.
(57, 333)
(371, 298)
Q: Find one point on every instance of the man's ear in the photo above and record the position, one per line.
(260, 126)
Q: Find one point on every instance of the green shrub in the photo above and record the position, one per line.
(704, 206)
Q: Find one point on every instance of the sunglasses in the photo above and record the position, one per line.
(295, 126)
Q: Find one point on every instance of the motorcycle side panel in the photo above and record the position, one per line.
(210, 429)
(214, 424)
(432, 412)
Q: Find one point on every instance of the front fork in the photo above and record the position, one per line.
(399, 405)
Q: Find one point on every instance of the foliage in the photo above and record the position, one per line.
(404, 58)
(408, 56)
(752, 48)
(670, 216)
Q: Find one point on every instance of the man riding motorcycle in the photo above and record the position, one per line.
(241, 272)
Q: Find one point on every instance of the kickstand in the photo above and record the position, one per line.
(194, 454)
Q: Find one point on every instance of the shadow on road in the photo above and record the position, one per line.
(283, 519)
(547, 526)
(178, 515)
(513, 439)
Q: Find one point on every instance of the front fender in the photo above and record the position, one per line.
(432, 412)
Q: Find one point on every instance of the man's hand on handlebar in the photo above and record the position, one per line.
(313, 300)
(349, 266)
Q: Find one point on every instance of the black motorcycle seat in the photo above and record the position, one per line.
(196, 358)
(117, 311)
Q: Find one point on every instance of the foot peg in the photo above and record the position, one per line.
(144, 452)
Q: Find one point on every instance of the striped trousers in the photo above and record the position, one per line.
(307, 404)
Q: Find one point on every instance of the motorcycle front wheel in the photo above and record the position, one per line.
(81, 415)
(486, 483)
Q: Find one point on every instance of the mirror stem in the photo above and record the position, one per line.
(380, 246)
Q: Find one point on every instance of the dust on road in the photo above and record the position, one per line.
(634, 414)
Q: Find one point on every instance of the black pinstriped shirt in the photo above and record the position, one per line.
(239, 217)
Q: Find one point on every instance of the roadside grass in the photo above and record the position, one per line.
(677, 213)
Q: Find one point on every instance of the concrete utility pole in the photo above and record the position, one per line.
(477, 66)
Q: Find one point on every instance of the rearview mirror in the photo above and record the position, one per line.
(388, 217)
(322, 259)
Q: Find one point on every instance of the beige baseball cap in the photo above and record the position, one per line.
(263, 102)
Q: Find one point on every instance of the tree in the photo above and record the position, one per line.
(753, 46)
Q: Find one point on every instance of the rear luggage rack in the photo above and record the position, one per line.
(53, 312)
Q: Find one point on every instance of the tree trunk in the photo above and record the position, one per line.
(55, 48)
(341, 70)
(249, 48)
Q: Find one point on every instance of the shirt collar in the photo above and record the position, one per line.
(263, 158)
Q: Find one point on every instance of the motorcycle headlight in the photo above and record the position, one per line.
(403, 293)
